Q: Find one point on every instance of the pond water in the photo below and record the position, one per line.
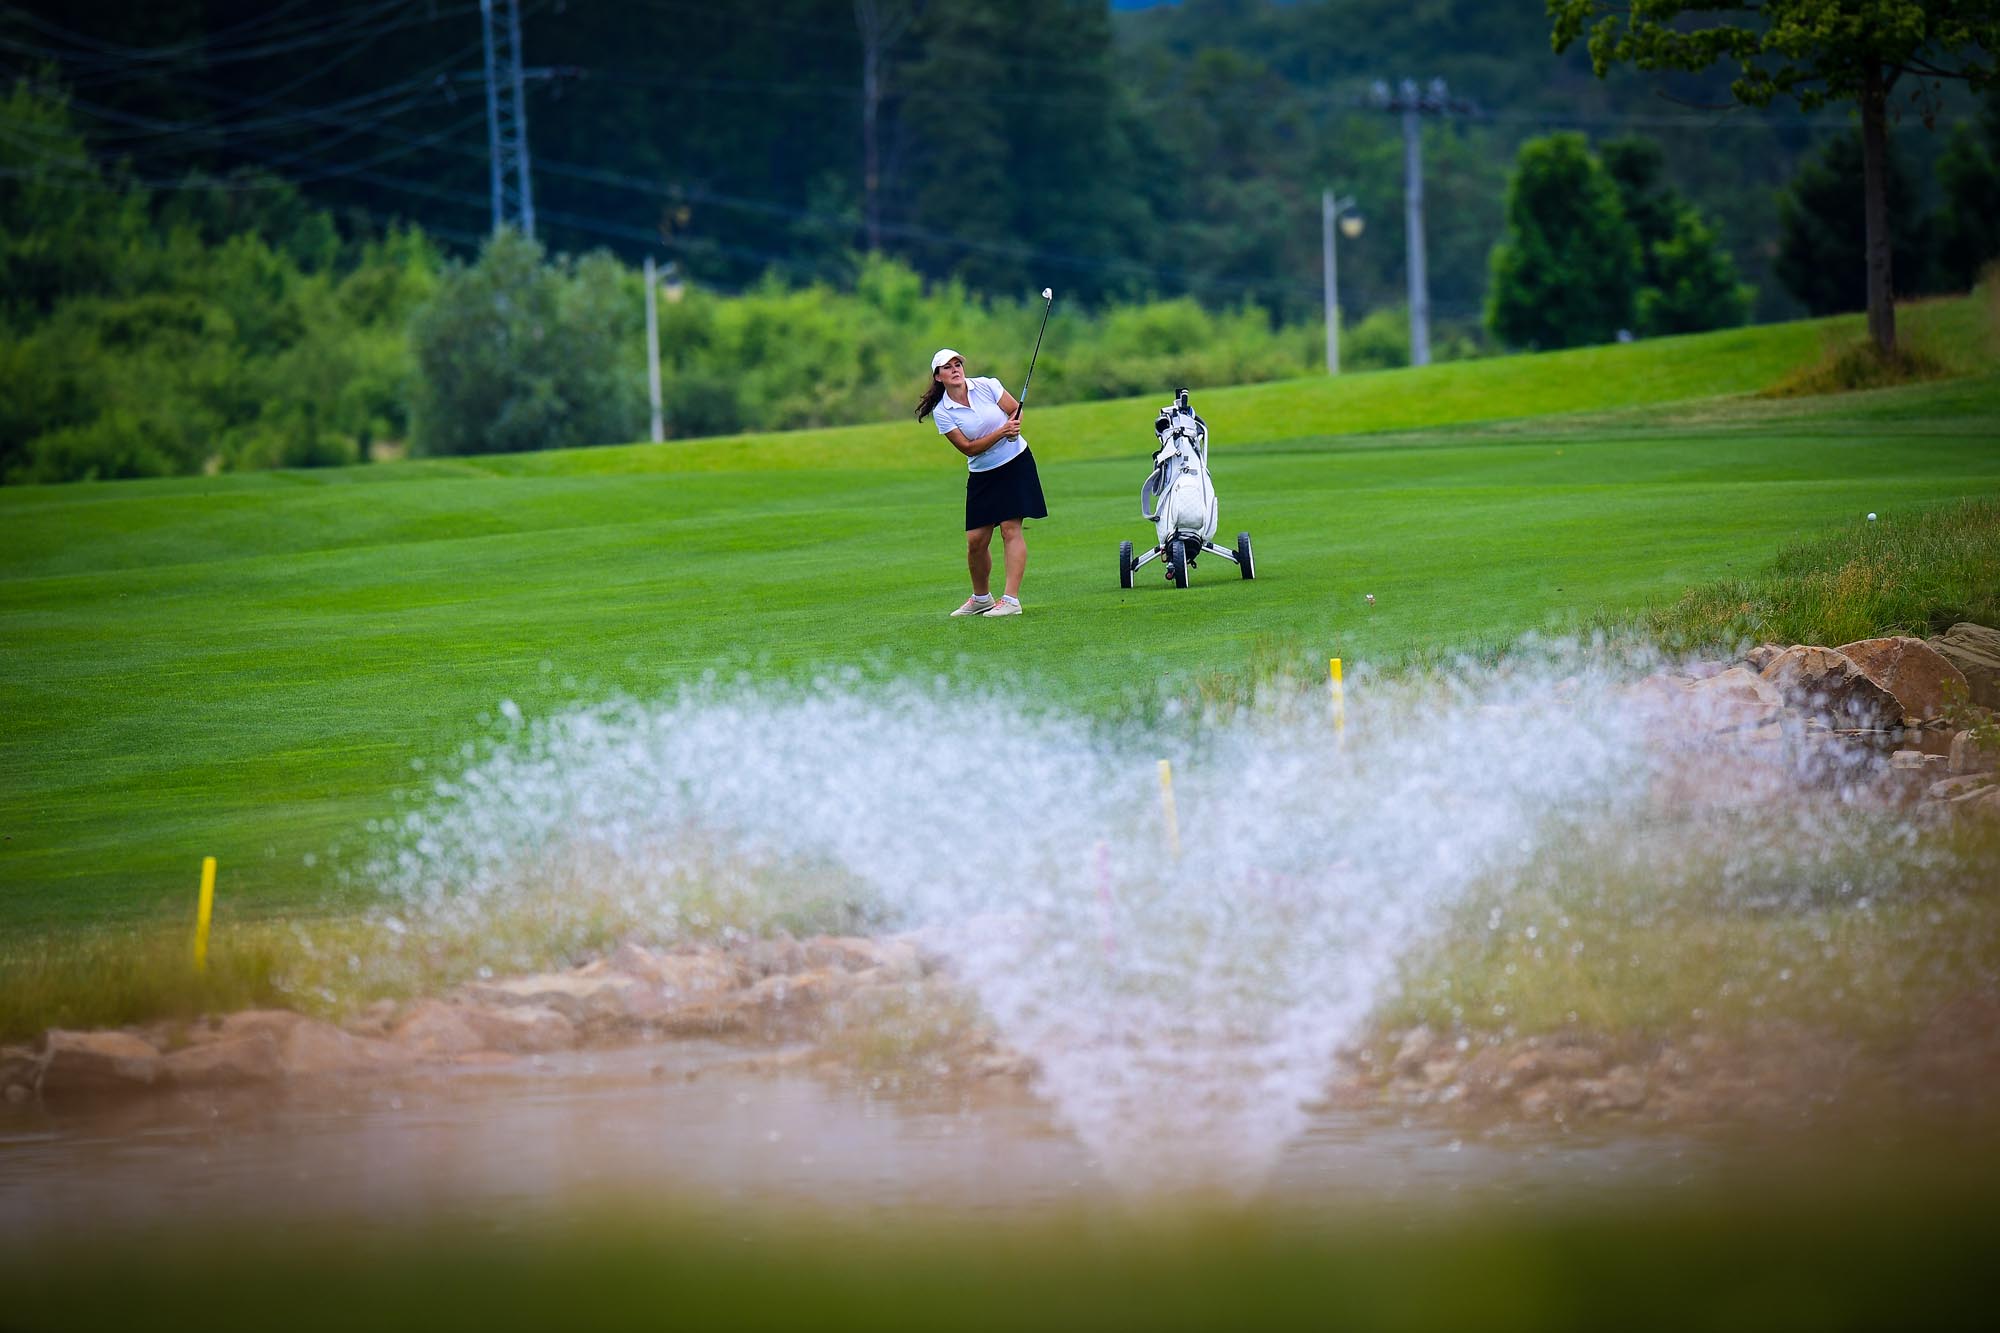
(696, 1126)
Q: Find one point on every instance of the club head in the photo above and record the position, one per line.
(1048, 295)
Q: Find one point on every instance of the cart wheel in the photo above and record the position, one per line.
(1124, 564)
(1244, 561)
(1177, 563)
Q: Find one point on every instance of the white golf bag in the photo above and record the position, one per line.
(1179, 499)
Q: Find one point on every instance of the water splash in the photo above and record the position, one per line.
(1183, 1009)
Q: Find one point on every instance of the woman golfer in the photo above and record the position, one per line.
(982, 421)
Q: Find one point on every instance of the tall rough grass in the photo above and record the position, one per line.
(1965, 341)
(1915, 573)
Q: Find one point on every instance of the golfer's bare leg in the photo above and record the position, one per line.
(979, 558)
(1014, 550)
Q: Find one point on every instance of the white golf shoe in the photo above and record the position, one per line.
(974, 607)
(1003, 607)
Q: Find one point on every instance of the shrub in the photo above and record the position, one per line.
(518, 352)
(1379, 342)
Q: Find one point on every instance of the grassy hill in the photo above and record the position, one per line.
(249, 665)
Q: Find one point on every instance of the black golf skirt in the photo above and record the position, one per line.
(1012, 490)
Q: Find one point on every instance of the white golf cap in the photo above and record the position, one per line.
(944, 354)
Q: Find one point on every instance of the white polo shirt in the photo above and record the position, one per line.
(982, 415)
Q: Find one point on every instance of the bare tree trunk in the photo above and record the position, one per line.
(869, 20)
(1875, 208)
(880, 24)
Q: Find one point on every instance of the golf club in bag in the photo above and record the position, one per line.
(1179, 499)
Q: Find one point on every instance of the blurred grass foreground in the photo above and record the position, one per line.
(1902, 1242)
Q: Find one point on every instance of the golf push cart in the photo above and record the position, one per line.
(1179, 498)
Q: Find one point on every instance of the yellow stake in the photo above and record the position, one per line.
(202, 912)
(1339, 699)
(1167, 808)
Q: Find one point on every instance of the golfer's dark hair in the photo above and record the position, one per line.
(928, 403)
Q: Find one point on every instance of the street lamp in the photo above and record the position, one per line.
(1332, 210)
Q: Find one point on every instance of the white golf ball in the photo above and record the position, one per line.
(1871, 518)
(1371, 599)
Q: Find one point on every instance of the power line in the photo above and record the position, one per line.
(1409, 102)
(121, 60)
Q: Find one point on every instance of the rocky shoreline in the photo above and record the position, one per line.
(845, 1005)
(850, 1008)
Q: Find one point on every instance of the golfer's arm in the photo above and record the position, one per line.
(1008, 403)
(972, 447)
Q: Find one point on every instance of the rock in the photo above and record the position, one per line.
(897, 960)
(1969, 756)
(685, 977)
(1923, 681)
(1735, 699)
(1419, 1044)
(94, 1063)
(1827, 683)
(20, 1074)
(1623, 1089)
(1916, 761)
(1566, 1062)
(1761, 656)
(251, 1058)
(1975, 651)
(313, 1049)
(584, 1000)
(1947, 789)
(1439, 1072)
(278, 1023)
(1984, 804)
(776, 1006)
(522, 1029)
(1483, 1079)
(376, 1020)
(806, 990)
(436, 1029)
(769, 958)
(1004, 1064)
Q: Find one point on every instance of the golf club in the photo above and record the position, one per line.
(1049, 297)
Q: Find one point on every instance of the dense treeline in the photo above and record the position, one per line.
(231, 327)
(1179, 149)
(154, 333)
(237, 235)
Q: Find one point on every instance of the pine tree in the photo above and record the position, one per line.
(1968, 226)
(1693, 284)
(1567, 270)
(1822, 236)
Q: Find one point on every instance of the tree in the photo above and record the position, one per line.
(65, 230)
(1639, 169)
(1816, 51)
(1822, 245)
(1566, 271)
(1968, 230)
(1687, 281)
(880, 26)
(1693, 284)
(518, 352)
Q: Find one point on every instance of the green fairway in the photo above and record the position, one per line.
(247, 666)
